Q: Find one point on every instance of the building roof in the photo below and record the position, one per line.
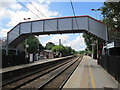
(48, 51)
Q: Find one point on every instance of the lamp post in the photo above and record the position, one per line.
(26, 19)
(96, 11)
(26, 44)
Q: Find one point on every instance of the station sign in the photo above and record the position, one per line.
(111, 45)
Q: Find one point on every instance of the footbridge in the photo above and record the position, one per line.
(77, 24)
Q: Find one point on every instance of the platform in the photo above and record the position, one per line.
(90, 75)
(12, 68)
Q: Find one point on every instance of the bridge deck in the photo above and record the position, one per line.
(59, 25)
(90, 75)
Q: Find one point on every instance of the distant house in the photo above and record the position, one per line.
(47, 54)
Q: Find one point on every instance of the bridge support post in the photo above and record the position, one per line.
(7, 46)
(97, 47)
(16, 52)
(7, 50)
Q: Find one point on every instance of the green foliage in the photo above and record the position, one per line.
(33, 47)
(111, 13)
(49, 45)
(64, 50)
(86, 51)
(73, 52)
(33, 43)
(89, 40)
(41, 48)
(82, 52)
(59, 48)
(69, 51)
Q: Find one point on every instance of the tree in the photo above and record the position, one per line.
(64, 50)
(111, 14)
(59, 48)
(73, 52)
(89, 40)
(68, 51)
(49, 45)
(41, 48)
(32, 43)
(82, 52)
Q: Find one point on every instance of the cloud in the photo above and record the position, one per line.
(76, 43)
(16, 17)
(6, 7)
(42, 36)
(3, 32)
(15, 13)
(15, 7)
(55, 39)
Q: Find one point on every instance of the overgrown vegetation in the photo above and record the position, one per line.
(32, 44)
(111, 14)
(64, 50)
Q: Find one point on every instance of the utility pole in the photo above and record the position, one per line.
(26, 44)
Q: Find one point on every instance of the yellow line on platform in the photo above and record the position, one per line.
(92, 77)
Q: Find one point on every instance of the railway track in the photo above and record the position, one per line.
(11, 76)
(58, 81)
(43, 78)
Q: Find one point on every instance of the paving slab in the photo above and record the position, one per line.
(90, 75)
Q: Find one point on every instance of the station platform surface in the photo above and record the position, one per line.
(12, 68)
(90, 75)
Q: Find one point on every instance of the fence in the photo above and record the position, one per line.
(11, 60)
(112, 65)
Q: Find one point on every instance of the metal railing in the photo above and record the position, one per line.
(112, 65)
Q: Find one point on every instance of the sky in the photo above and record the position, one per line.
(11, 13)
